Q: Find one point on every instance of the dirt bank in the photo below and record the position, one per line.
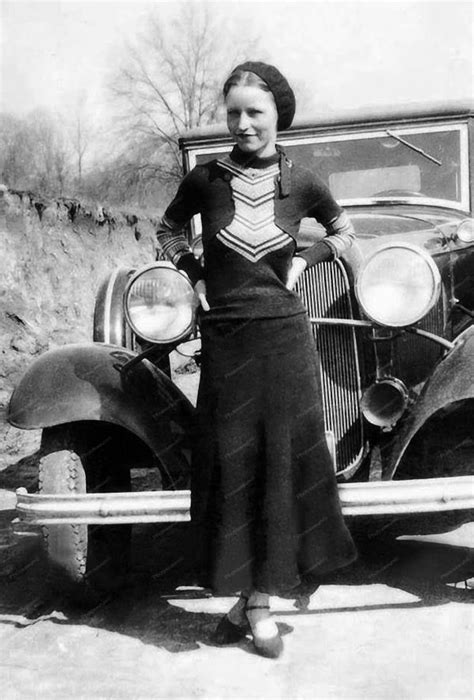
(54, 255)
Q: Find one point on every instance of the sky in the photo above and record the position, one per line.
(347, 53)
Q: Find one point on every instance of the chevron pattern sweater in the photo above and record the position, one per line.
(250, 232)
(253, 232)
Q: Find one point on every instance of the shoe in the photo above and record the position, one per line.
(270, 647)
(227, 632)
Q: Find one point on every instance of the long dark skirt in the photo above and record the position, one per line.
(264, 496)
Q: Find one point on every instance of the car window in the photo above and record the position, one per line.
(411, 161)
(354, 167)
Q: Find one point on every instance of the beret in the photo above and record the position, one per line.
(282, 93)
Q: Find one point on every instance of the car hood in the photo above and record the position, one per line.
(380, 224)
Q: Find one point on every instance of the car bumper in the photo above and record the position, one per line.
(357, 499)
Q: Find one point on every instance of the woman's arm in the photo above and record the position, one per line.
(340, 232)
(174, 245)
(340, 236)
(171, 240)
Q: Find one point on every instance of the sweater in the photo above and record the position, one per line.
(251, 209)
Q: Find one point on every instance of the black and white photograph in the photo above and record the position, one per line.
(237, 349)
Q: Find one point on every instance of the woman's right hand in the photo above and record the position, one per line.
(200, 295)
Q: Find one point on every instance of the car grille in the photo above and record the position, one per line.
(325, 291)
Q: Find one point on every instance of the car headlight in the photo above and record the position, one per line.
(465, 231)
(158, 302)
(398, 285)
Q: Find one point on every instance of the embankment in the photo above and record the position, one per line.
(53, 257)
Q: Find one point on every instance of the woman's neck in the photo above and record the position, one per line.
(268, 151)
(243, 158)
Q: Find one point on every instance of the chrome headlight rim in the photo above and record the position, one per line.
(426, 257)
(160, 264)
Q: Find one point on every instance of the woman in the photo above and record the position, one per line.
(264, 494)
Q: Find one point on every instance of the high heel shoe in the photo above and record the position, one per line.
(271, 647)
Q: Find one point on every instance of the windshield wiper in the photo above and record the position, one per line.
(413, 148)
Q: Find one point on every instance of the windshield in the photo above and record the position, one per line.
(395, 162)
(381, 165)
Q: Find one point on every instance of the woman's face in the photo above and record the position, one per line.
(252, 119)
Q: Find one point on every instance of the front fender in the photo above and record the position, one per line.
(85, 382)
(451, 381)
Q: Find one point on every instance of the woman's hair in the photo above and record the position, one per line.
(269, 79)
(244, 78)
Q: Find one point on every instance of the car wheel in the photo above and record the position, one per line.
(85, 562)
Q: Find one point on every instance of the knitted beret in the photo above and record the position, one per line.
(282, 93)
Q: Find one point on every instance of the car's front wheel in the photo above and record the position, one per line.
(84, 562)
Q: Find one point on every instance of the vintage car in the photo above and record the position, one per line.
(393, 323)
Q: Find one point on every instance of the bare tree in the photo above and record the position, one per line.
(171, 81)
(34, 154)
(50, 156)
(14, 151)
(80, 143)
(83, 132)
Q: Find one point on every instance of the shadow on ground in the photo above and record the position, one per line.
(144, 608)
(24, 473)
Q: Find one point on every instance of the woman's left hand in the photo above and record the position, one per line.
(298, 265)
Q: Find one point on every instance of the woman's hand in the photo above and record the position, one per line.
(298, 265)
(200, 295)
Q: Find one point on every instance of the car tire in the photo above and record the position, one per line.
(85, 563)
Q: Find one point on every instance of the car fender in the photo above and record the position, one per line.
(88, 382)
(452, 380)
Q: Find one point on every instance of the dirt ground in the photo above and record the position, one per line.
(396, 625)
(392, 626)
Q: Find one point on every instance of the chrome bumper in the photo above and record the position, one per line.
(357, 499)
